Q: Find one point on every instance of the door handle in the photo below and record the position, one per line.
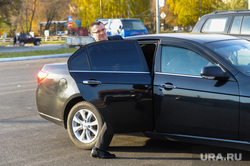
(167, 86)
(92, 82)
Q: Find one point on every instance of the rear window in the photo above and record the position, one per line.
(131, 25)
(79, 61)
(116, 56)
(215, 25)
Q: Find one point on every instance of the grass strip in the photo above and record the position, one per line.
(37, 53)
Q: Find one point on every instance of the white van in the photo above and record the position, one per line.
(124, 27)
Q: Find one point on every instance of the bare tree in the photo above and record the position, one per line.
(26, 14)
(51, 10)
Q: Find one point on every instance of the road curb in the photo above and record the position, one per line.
(35, 57)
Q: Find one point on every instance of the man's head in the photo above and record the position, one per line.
(98, 31)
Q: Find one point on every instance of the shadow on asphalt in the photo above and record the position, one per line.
(164, 146)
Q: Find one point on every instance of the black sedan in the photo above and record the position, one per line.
(183, 87)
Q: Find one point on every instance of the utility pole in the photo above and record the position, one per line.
(157, 17)
(101, 8)
(129, 10)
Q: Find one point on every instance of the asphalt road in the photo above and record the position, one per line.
(27, 139)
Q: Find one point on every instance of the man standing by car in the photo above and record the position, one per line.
(98, 32)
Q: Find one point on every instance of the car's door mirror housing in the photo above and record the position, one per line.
(120, 29)
(214, 73)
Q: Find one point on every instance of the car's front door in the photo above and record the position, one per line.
(186, 103)
(29, 39)
(113, 76)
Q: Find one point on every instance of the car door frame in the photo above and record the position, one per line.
(217, 59)
(104, 89)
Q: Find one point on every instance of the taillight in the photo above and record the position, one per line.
(41, 76)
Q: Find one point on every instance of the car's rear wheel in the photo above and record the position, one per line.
(37, 43)
(84, 124)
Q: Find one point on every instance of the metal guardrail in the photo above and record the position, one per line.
(6, 40)
(49, 38)
(54, 38)
(78, 40)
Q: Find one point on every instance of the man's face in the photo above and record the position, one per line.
(98, 32)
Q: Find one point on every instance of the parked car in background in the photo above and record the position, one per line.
(60, 33)
(182, 87)
(124, 27)
(23, 39)
(230, 22)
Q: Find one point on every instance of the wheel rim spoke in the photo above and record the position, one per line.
(94, 123)
(88, 117)
(77, 128)
(88, 135)
(94, 131)
(82, 136)
(77, 120)
(82, 113)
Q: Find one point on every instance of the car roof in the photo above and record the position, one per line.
(228, 13)
(198, 38)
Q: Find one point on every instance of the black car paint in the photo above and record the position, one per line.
(114, 90)
(28, 39)
(193, 100)
(193, 109)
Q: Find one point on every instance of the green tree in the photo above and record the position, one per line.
(235, 5)
(189, 11)
(90, 10)
(8, 8)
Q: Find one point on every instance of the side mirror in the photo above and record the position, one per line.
(119, 30)
(213, 73)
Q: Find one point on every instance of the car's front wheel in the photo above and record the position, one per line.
(84, 124)
(22, 43)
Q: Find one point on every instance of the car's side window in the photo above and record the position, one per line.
(117, 56)
(215, 25)
(177, 60)
(79, 61)
(246, 25)
(236, 25)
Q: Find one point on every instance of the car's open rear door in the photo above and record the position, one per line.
(114, 77)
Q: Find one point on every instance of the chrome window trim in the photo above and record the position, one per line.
(182, 75)
(90, 71)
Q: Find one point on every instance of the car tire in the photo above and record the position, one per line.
(22, 43)
(84, 124)
(37, 43)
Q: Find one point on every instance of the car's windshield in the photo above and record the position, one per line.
(130, 25)
(235, 51)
